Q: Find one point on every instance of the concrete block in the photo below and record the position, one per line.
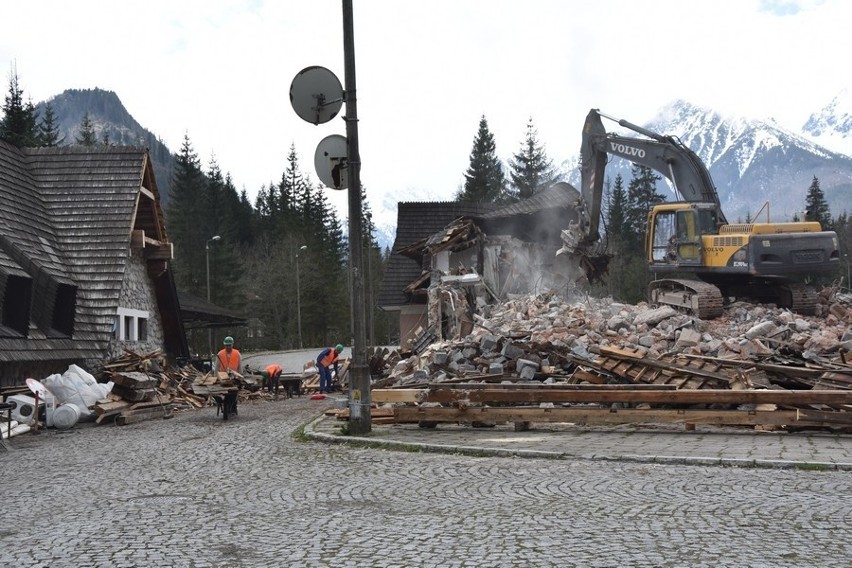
(512, 351)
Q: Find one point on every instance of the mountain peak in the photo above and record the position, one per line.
(834, 120)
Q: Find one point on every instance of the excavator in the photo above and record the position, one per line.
(699, 260)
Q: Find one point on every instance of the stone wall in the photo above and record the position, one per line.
(137, 293)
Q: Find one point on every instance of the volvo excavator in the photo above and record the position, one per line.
(700, 261)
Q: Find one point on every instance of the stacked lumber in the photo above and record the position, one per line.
(144, 389)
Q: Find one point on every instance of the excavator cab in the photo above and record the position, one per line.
(675, 231)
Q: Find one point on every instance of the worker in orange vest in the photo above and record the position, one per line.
(328, 358)
(228, 360)
(271, 377)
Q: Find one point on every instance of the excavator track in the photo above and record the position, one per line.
(702, 299)
(803, 299)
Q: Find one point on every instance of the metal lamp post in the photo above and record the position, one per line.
(299, 296)
(207, 256)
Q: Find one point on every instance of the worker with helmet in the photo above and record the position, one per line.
(271, 378)
(228, 360)
(328, 358)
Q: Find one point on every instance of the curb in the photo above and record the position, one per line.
(312, 434)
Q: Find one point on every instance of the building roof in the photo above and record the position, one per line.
(199, 313)
(557, 195)
(69, 217)
(537, 219)
(416, 221)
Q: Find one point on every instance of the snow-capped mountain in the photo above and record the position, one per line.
(756, 165)
(832, 126)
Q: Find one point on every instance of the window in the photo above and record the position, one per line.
(664, 232)
(133, 325)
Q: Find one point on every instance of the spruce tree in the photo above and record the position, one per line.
(86, 136)
(219, 210)
(484, 179)
(816, 207)
(18, 125)
(186, 225)
(641, 197)
(529, 169)
(293, 184)
(617, 229)
(48, 130)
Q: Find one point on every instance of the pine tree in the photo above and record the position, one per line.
(529, 169)
(816, 207)
(48, 130)
(617, 229)
(18, 125)
(641, 197)
(86, 135)
(187, 228)
(293, 184)
(484, 179)
(219, 211)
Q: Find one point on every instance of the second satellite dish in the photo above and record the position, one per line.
(316, 94)
(331, 163)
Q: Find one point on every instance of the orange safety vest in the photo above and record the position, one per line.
(330, 359)
(229, 360)
(274, 370)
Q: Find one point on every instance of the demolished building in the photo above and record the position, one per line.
(441, 276)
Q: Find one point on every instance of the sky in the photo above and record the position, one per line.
(220, 73)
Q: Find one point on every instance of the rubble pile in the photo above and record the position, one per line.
(543, 337)
(539, 358)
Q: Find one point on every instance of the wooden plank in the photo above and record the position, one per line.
(535, 385)
(152, 404)
(636, 396)
(131, 416)
(612, 416)
(111, 407)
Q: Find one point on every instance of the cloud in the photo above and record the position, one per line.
(220, 71)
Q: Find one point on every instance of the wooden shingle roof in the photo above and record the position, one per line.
(68, 214)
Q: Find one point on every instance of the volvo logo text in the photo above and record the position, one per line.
(625, 150)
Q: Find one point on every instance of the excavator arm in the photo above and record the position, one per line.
(664, 154)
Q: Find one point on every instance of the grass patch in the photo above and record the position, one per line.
(811, 467)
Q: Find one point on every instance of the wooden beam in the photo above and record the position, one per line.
(620, 416)
(155, 250)
(535, 385)
(607, 396)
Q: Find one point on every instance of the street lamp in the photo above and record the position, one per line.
(207, 255)
(298, 296)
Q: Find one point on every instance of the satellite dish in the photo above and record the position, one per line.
(37, 388)
(316, 94)
(331, 163)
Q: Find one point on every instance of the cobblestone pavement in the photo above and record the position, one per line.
(197, 491)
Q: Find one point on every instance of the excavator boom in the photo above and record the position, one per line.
(664, 154)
